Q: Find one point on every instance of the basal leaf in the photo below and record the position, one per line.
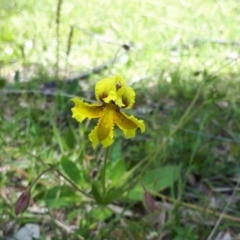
(71, 169)
(96, 192)
(59, 196)
(155, 180)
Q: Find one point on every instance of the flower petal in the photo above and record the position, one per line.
(128, 97)
(128, 124)
(110, 89)
(84, 110)
(93, 136)
(103, 132)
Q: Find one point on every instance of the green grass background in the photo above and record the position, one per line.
(184, 66)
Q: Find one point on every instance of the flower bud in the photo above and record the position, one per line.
(149, 202)
(22, 202)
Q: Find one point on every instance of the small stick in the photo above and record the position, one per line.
(223, 212)
(58, 17)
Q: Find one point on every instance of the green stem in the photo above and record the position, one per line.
(36, 179)
(104, 171)
(51, 168)
(73, 184)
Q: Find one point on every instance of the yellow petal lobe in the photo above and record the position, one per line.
(110, 89)
(128, 97)
(103, 132)
(83, 110)
(128, 124)
(94, 138)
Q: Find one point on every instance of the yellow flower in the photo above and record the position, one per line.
(113, 95)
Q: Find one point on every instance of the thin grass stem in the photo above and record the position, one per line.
(104, 170)
(58, 21)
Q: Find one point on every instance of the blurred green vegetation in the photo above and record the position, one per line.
(181, 58)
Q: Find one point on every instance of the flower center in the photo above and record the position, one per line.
(118, 85)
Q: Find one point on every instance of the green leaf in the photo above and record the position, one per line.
(161, 178)
(59, 196)
(112, 195)
(71, 169)
(116, 172)
(69, 138)
(17, 77)
(100, 213)
(96, 192)
(2, 82)
(156, 180)
(116, 151)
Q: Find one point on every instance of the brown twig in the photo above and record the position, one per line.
(223, 215)
(198, 208)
